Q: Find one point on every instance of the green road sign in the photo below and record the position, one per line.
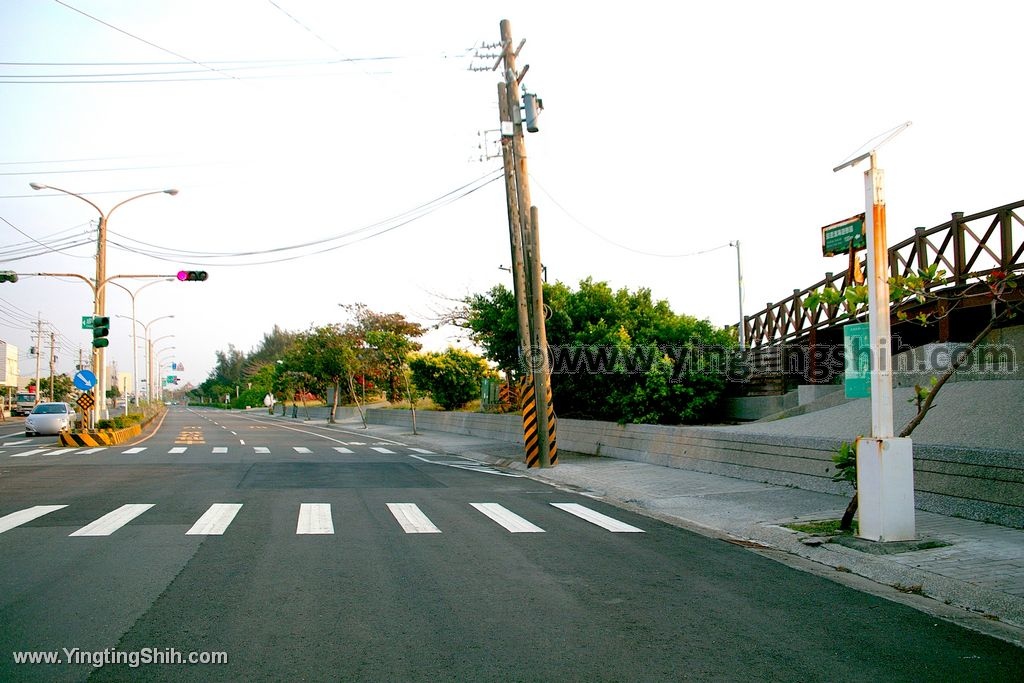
(86, 322)
(838, 238)
(857, 355)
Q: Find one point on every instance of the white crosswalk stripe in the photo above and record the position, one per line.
(215, 520)
(411, 519)
(36, 451)
(424, 451)
(178, 449)
(112, 521)
(381, 449)
(132, 451)
(301, 449)
(220, 449)
(597, 518)
(507, 518)
(90, 451)
(341, 449)
(260, 449)
(315, 518)
(8, 522)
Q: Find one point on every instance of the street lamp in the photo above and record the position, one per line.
(149, 356)
(161, 365)
(885, 463)
(135, 343)
(99, 305)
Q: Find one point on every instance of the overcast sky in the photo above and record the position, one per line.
(669, 129)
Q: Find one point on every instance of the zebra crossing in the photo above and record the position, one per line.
(207, 450)
(315, 519)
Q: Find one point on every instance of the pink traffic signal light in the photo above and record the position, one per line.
(191, 275)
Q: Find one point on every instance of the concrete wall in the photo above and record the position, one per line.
(982, 484)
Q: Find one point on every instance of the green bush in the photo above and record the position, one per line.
(452, 378)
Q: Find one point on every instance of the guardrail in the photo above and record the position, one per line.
(966, 247)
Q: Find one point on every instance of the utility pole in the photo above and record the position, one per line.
(39, 348)
(526, 267)
(53, 360)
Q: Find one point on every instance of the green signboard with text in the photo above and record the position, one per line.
(845, 236)
(857, 360)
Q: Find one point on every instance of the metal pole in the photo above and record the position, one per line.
(739, 281)
(878, 303)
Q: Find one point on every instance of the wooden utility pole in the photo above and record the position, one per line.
(526, 266)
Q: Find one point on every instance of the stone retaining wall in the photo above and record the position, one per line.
(982, 484)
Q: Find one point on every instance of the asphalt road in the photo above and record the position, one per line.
(312, 553)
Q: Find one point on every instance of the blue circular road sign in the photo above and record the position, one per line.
(85, 380)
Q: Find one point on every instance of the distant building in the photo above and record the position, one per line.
(8, 365)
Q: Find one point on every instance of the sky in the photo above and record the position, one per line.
(669, 130)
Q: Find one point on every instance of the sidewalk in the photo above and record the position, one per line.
(980, 570)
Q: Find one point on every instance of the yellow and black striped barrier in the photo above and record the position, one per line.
(531, 438)
(552, 437)
(531, 435)
(96, 438)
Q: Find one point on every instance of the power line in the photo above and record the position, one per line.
(619, 244)
(141, 40)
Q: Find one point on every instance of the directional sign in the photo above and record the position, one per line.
(841, 237)
(85, 380)
(86, 322)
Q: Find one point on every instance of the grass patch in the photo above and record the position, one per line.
(825, 527)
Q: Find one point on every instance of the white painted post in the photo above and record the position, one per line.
(885, 465)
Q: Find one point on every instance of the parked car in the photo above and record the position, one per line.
(50, 418)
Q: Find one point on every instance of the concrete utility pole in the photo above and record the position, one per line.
(39, 350)
(53, 362)
(526, 267)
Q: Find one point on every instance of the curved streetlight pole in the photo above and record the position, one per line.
(135, 343)
(149, 356)
(161, 366)
(99, 306)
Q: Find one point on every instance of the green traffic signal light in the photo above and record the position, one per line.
(8, 276)
(100, 330)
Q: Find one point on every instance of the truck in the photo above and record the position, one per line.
(24, 402)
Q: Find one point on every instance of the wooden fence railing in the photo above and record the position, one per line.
(966, 247)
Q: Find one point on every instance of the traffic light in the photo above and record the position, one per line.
(100, 330)
(191, 275)
(11, 276)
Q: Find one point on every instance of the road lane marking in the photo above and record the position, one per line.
(112, 521)
(178, 449)
(241, 442)
(8, 522)
(28, 453)
(220, 449)
(424, 451)
(597, 518)
(381, 449)
(93, 450)
(507, 518)
(411, 519)
(215, 520)
(63, 451)
(261, 449)
(132, 451)
(315, 518)
(301, 449)
(341, 449)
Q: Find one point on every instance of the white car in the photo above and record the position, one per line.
(50, 418)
